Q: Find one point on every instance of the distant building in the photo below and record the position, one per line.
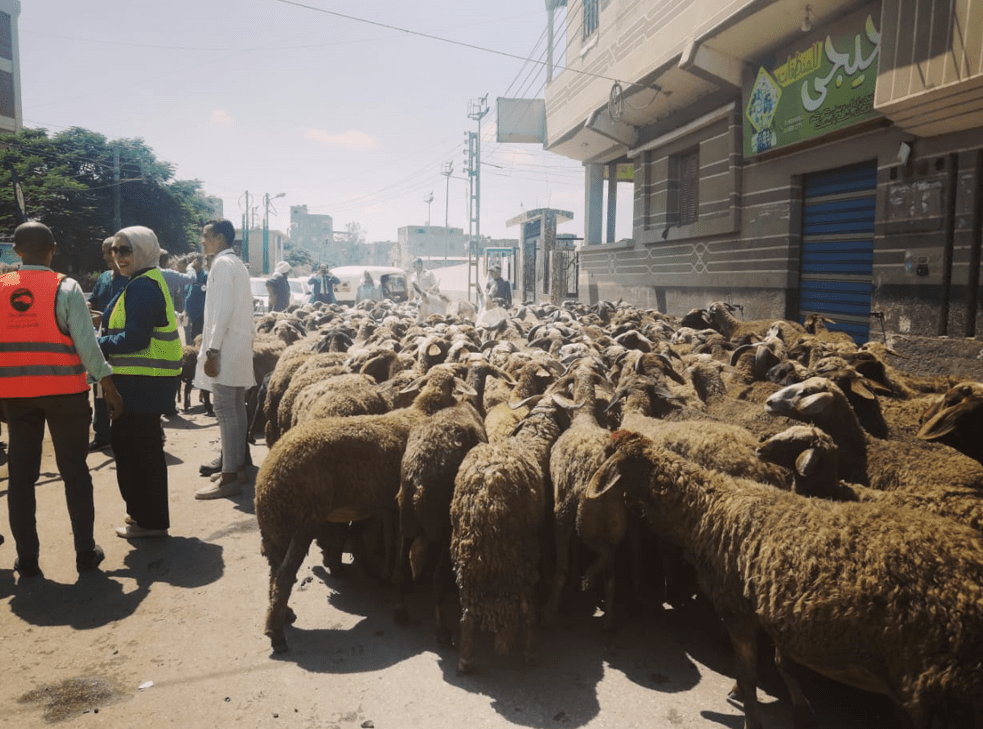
(11, 120)
(432, 243)
(313, 232)
(253, 257)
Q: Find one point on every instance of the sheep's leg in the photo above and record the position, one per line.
(527, 611)
(802, 716)
(281, 583)
(442, 576)
(187, 396)
(609, 598)
(401, 578)
(561, 538)
(465, 660)
(743, 635)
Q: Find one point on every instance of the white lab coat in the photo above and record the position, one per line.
(228, 324)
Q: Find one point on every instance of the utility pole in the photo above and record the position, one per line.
(117, 224)
(428, 199)
(245, 231)
(266, 230)
(477, 109)
(447, 170)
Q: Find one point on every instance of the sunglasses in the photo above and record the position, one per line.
(121, 251)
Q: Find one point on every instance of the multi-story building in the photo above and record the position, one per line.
(313, 232)
(436, 244)
(796, 158)
(11, 120)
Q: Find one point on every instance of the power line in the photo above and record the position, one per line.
(450, 41)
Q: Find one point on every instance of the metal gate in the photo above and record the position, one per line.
(838, 247)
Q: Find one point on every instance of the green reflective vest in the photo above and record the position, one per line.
(162, 357)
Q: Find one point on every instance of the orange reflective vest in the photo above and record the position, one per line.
(36, 358)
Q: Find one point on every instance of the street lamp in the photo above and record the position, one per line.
(266, 230)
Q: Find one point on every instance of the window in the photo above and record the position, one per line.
(6, 38)
(684, 187)
(590, 17)
(8, 105)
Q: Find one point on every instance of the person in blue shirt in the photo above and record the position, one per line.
(194, 299)
(106, 288)
(322, 285)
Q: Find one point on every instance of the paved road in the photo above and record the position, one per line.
(170, 634)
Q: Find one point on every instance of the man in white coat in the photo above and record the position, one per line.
(225, 365)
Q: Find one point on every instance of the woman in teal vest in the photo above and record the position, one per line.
(140, 340)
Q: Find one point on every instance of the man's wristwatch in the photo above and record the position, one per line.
(211, 353)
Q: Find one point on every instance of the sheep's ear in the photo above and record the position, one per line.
(460, 386)
(808, 462)
(531, 401)
(815, 404)
(413, 386)
(859, 389)
(565, 402)
(605, 478)
(939, 425)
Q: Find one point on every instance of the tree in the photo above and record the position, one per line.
(296, 255)
(69, 183)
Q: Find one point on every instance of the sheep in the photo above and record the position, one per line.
(497, 513)
(573, 460)
(330, 471)
(740, 332)
(434, 451)
(884, 599)
(881, 464)
(812, 456)
(189, 364)
(956, 419)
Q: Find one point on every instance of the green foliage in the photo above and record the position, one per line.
(296, 255)
(69, 184)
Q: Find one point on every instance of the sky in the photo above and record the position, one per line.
(350, 117)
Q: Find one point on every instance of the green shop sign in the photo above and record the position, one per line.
(814, 90)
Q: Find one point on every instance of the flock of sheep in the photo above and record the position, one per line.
(575, 447)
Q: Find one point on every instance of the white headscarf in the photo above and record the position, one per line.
(146, 249)
(282, 267)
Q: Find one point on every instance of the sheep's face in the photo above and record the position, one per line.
(801, 449)
(806, 400)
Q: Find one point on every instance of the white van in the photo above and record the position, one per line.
(391, 282)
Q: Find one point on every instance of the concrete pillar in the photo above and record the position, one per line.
(593, 204)
(612, 200)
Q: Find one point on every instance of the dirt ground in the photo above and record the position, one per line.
(170, 634)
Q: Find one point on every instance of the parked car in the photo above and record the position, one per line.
(300, 292)
(390, 280)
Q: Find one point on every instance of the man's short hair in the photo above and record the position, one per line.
(34, 237)
(224, 228)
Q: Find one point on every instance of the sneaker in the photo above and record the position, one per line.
(135, 531)
(220, 490)
(27, 566)
(211, 468)
(98, 444)
(89, 559)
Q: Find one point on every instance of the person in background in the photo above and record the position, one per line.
(107, 286)
(142, 344)
(194, 299)
(498, 288)
(226, 369)
(322, 285)
(422, 278)
(39, 306)
(176, 278)
(366, 290)
(278, 287)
